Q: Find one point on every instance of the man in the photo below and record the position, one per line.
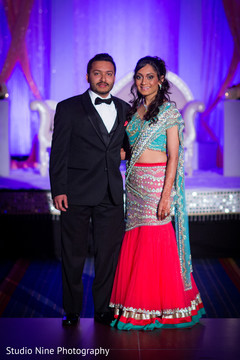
(86, 184)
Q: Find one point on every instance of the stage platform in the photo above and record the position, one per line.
(215, 339)
(26, 209)
(207, 193)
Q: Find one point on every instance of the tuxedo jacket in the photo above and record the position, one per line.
(85, 158)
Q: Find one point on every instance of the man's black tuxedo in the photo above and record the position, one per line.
(84, 165)
(85, 159)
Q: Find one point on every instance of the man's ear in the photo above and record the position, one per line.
(87, 78)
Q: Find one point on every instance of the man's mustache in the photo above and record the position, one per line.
(102, 83)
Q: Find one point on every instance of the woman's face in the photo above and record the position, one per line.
(147, 81)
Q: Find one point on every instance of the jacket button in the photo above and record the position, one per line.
(106, 169)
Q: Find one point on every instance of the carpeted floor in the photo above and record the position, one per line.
(33, 288)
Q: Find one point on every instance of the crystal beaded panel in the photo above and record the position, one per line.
(144, 188)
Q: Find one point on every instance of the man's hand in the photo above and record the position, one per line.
(61, 202)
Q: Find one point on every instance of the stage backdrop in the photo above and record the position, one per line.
(45, 46)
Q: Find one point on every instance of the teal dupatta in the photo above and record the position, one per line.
(168, 117)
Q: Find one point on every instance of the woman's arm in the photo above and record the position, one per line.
(123, 154)
(125, 150)
(172, 162)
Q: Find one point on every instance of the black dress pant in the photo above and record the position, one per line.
(108, 228)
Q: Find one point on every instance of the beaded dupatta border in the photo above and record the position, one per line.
(168, 117)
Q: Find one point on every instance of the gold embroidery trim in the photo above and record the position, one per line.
(142, 314)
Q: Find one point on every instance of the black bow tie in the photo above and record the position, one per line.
(99, 100)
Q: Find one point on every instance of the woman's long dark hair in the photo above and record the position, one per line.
(162, 94)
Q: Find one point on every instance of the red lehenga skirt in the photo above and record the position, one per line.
(148, 290)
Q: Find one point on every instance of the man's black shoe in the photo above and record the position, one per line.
(104, 318)
(70, 319)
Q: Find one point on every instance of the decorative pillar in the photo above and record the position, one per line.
(4, 138)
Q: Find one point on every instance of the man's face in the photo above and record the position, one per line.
(101, 77)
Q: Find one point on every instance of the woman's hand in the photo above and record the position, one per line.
(164, 208)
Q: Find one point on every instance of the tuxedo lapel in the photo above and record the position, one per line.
(95, 119)
(119, 119)
(119, 108)
(92, 114)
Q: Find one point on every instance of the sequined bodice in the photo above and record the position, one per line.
(133, 130)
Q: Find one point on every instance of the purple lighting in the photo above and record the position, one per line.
(192, 37)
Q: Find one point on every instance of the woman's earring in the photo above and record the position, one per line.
(160, 86)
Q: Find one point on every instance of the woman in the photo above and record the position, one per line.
(154, 286)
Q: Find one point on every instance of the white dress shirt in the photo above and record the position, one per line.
(108, 113)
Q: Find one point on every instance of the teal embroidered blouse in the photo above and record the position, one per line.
(133, 129)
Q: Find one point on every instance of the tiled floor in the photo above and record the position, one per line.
(212, 339)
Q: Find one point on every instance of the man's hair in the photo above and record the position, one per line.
(100, 57)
